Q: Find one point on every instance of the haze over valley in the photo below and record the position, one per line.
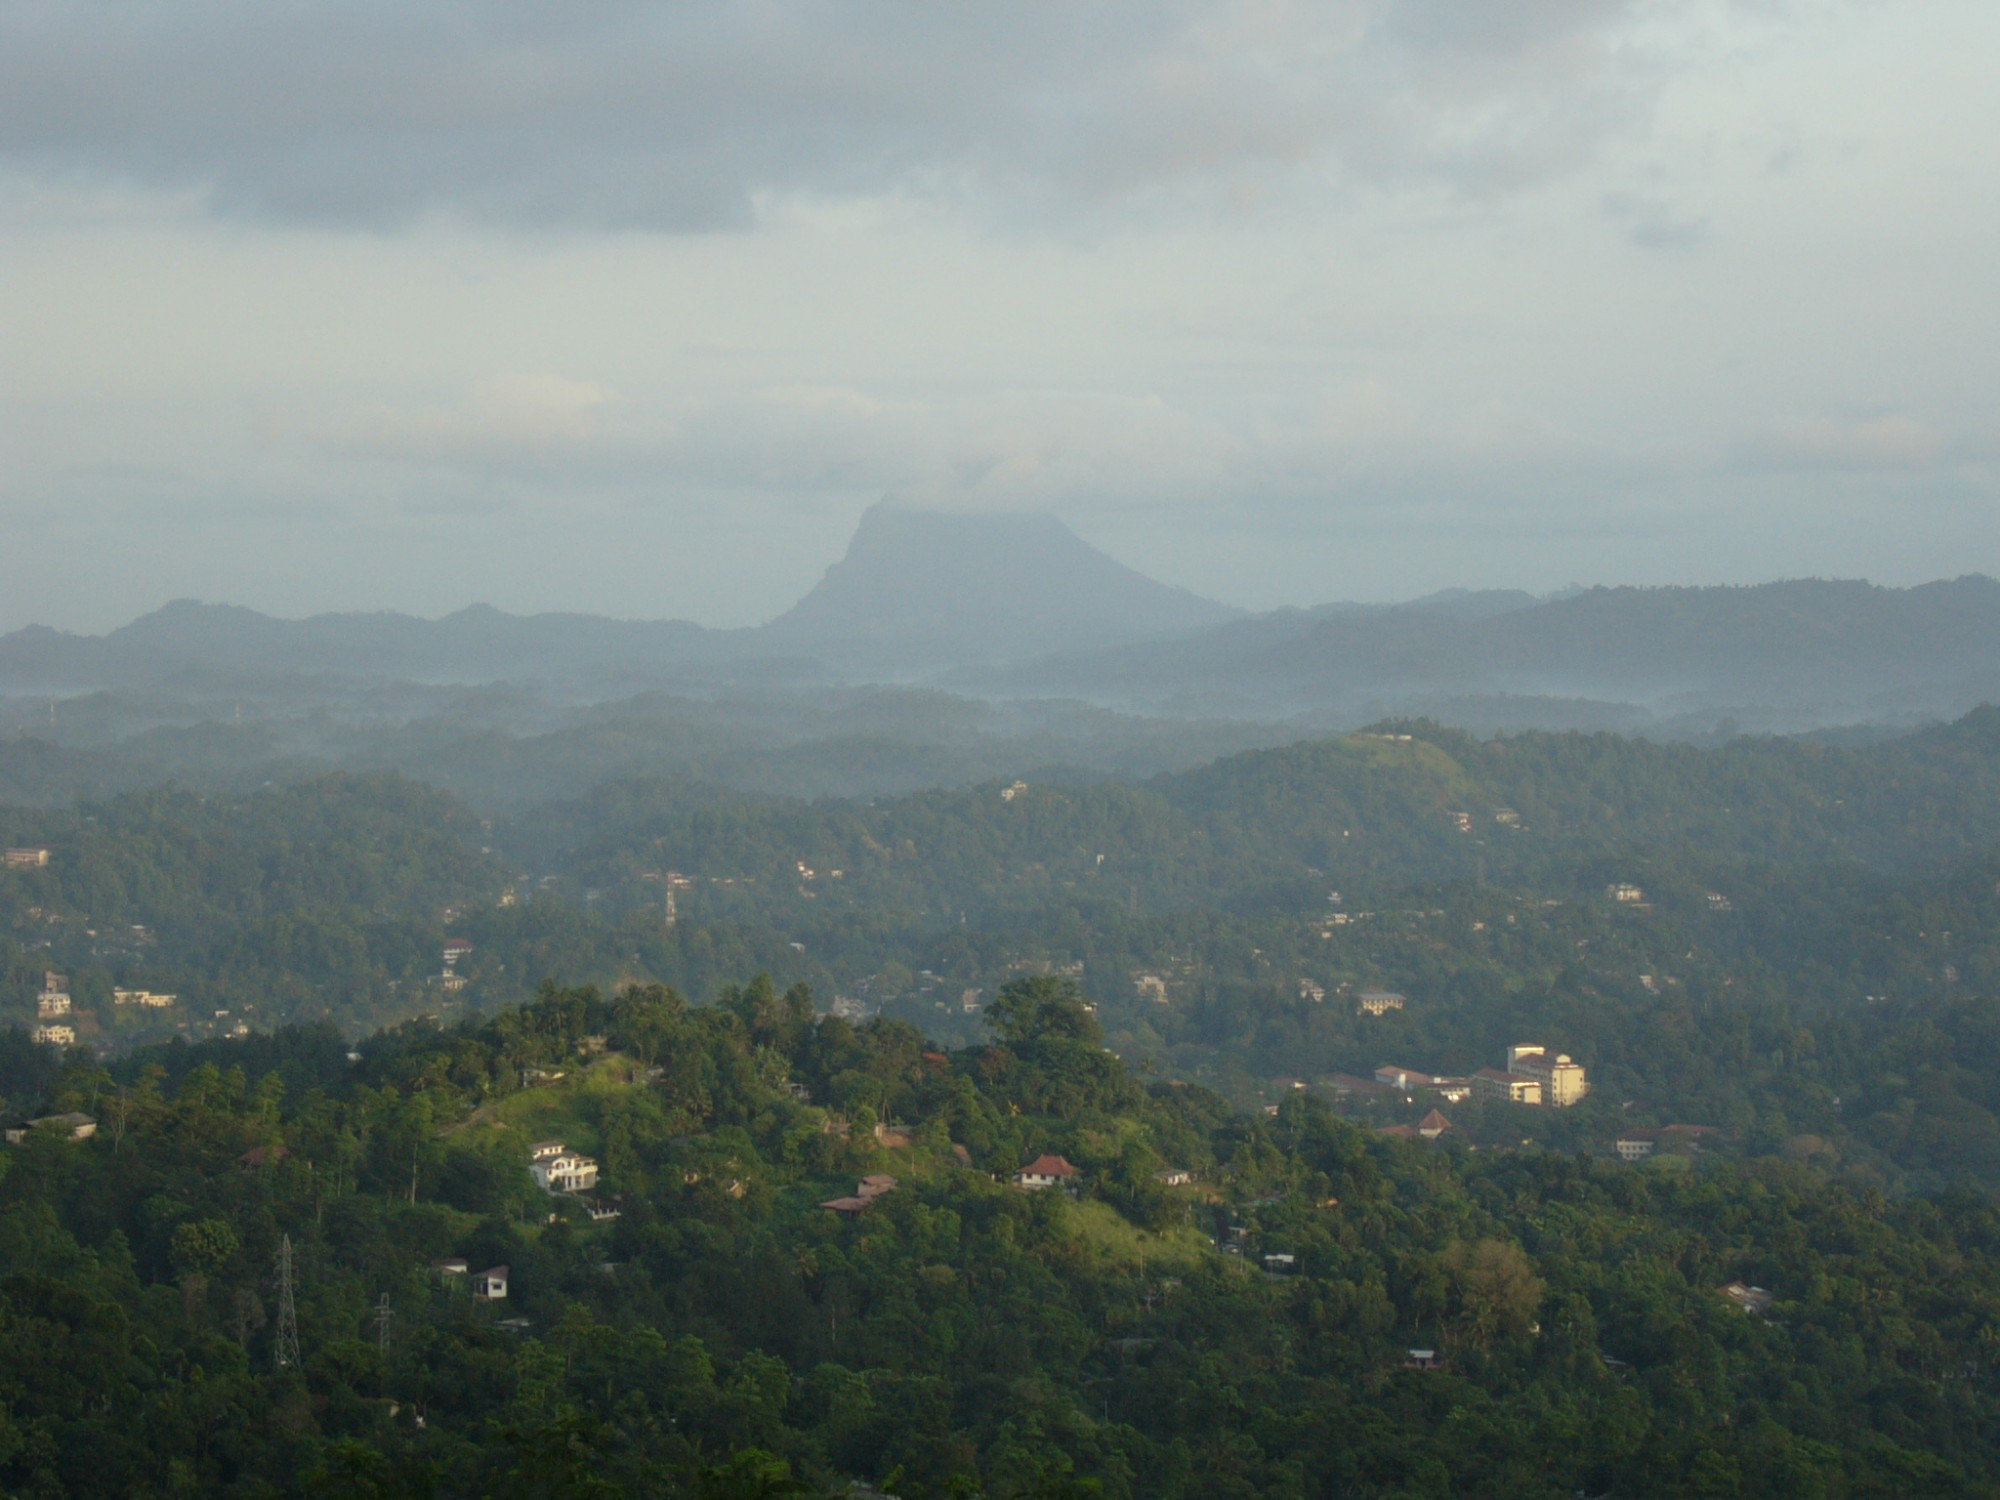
(876, 751)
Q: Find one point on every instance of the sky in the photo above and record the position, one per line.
(634, 308)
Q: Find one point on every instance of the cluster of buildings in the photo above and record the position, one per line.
(52, 1009)
(73, 1126)
(144, 999)
(455, 950)
(1533, 1075)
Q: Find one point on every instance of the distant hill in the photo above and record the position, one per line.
(1014, 607)
(1777, 656)
(192, 644)
(916, 593)
(919, 591)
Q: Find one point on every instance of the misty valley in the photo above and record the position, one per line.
(553, 1057)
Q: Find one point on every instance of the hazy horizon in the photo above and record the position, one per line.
(635, 312)
(436, 614)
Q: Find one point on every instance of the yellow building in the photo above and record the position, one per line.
(1515, 1088)
(1563, 1081)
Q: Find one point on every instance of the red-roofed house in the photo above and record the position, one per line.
(1046, 1172)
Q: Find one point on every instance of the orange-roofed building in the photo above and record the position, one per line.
(1046, 1172)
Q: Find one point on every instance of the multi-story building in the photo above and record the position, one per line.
(560, 1170)
(1563, 1081)
(1515, 1088)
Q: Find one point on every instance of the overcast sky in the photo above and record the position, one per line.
(634, 308)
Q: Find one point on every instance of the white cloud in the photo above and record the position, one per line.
(1890, 440)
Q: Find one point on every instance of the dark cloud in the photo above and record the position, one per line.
(607, 113)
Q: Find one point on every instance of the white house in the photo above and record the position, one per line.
(566, 1172)
(490, 1285)
(1046, 1172)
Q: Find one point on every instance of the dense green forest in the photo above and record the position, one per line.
(1813, 965)
(1794, 944)
(727, 1336)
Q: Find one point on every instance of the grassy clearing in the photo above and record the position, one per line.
(1108, 1239)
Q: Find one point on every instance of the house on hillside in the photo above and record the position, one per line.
(29, 857)
(1173, 1177)
(51, 1003)
(1433, 1125)
(490, 1285)
(1046, 1172)
(1405, 1079)
(1378, 1002)
(1680, 1140)
(572, 1172)
(1753, 1300)
(55, 1034)
(866, 1191)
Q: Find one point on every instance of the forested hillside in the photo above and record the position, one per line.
(1250, 1334)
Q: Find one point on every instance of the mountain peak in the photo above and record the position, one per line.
(921, 591)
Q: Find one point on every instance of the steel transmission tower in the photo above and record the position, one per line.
(383, 1318)
(285, 1348)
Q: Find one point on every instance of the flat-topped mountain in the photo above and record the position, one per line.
(919, 591)
(1013, 607)
(916, 593)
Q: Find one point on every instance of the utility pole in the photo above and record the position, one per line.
(285, 1348)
